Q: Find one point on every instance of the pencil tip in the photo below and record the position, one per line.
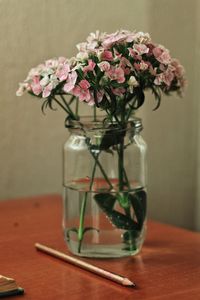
(127, 282)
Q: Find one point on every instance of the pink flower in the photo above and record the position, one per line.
(63, 71)
(162, 55)
(90, 67)
(168, 76)
(125, 65)
(143, 66)
(131, 52)
(35, 85)
(134, 54)
(70, 83)
(117, 54)
(84, 84)
(127, 71)
(165, 77)
(82, 91)
(157, 51)
(118, 91)
(137, 66)
(140, 49)
(159, 79)
(124, 62)
(107, 55)
(83, 95)
(104, 66)
(47, 90)
(116, 74)
(113, 38)
(162, 67)
(178, 68)
(153, 71)
(99, 98)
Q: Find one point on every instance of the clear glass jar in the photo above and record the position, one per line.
(104, 178)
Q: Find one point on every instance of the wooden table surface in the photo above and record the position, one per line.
(167, 268)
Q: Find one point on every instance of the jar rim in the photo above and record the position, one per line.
(89, 124)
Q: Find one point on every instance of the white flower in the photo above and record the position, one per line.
(44, 81)
(82, 56)
(81, 47)
(23, 87)
(46, 71)
(104, 66)
(54, 80)
(143, 66)
(132, 82)
(142, 38)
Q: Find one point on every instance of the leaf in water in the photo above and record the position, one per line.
(105, 201)
(121, 221)
(73, 229)
(90, 229)
(130, 235)
(123, 199)
(112, 137)
(138, 201)
(130, 239)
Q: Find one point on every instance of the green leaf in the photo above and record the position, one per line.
(157, 95)
(112, 137)
(139, 202)
(121, 221)
(140, 98)
(130, 236)
(105, 201)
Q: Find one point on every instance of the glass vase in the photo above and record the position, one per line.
(105, 197)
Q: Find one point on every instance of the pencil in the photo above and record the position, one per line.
(86, 266)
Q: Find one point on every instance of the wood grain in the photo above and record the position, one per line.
(167, 268)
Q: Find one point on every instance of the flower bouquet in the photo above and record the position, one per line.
(104, 157)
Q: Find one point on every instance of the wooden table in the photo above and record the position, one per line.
(167, 268)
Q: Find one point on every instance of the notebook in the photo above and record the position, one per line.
(9, 287)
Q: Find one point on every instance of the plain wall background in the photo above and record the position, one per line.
(31, 144)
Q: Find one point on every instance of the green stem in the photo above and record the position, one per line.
(122, 174)
(77, 105)
(126, 178)
(81, 223)
(121, 166)
(102, 170)
(71, 100)
(129, 114)
(83, 207)
(95, 113)
(60, 104)
(93, 172)
(69, 108)
(125, 175)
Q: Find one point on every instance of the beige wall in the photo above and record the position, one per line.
(31, 144)
(171, 132)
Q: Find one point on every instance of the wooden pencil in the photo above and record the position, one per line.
(86, 266)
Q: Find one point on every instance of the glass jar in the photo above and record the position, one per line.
(104, 178)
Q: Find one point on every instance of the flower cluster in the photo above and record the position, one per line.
(107, 69)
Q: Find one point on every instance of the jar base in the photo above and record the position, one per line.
(101, 251)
